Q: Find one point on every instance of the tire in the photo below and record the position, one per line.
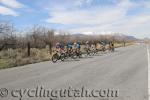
(62, 57)
(113, 49)
(55, 58)
(89, 53)
(66, 56)
(74, 55)
(103, 49)
(92, 53)
(80, 54)
(96, 52)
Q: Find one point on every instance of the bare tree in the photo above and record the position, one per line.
(7, 35)
(49, 39)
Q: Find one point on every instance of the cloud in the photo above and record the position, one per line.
(7, 11)
(9, 6)
(136, 25)
(82, 2)
(98, 19)
(12, 3)
(93, 16)
(147, 4)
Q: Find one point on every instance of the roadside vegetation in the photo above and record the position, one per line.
(35, 44)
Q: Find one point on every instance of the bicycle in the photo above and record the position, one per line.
(57, 57)
(70, 54)
(88, 52)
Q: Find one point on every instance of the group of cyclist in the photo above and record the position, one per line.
(76, 46)
(73, 50)
(60, 47)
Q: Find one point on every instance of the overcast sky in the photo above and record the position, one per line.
(131, 17)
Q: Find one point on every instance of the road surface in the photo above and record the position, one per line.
(125, 71)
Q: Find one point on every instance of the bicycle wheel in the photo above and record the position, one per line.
(62, 57)
(55, 58)
(92, 53)
(74, 55)
(80, 54)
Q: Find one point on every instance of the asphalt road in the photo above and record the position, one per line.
(124, 71)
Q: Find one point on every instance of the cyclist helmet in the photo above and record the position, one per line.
(87, 42)
(57, 43)
(75, 43)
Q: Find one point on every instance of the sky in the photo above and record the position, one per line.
(130, 17)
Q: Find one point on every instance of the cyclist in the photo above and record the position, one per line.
(62, 47)
(69, 47)
(78, 49)
(78, 45)
(59, 47)
(112, 45)
(87, 47)
(103, 46)
(109, 46)
(92, 47)
(75, 46)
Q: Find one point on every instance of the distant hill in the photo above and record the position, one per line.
(131, 38)
(126, 37)
(117, 36)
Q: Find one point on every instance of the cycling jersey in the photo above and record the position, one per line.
(61, 46)
(75, 46)
(78, 46)
(69, 46)
(57, 46)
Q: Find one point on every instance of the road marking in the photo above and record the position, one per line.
(148, 56)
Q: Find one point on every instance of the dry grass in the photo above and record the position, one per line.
(117, 45)
(12, 58)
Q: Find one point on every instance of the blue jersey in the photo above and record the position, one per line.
(61, 46)
(78, 46)
(69, 45)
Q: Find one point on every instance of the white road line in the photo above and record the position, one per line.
(148, 55)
